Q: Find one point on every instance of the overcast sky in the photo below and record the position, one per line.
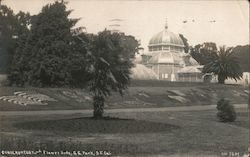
(143, 19)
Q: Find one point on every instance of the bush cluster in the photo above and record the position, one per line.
(226, 112)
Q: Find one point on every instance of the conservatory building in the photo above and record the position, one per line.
(166, 57)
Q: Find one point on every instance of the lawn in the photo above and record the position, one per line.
(108, 125)
(140, 94)
(194, 133)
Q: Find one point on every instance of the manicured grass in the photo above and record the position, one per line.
(106, 125)
(242, 120)
(134, 97)
(197, 133)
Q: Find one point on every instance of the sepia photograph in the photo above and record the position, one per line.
(124, 78)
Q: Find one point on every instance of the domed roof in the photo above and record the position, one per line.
(166, 37)
(141, 72)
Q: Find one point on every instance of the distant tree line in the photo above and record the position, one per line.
(202, 53)
(223, 62)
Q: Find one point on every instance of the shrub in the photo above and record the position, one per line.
(226, 112)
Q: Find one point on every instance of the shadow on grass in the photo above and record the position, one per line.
(91, 125)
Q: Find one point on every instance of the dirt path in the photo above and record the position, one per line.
(160, 109)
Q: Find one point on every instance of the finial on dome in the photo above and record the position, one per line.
(166, 24)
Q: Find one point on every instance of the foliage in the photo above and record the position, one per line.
(13, 27)
(226, 112)
(55, 54)
(22, 33)
(52, 51)
(243, 54)
(202, 53)
(224, 64)
(185, 41)
(112, 55)
(6, 22)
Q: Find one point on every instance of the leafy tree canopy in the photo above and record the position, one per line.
(202, 53)
(46, 57)
(12, 28)
(55, 54)
(243, 55)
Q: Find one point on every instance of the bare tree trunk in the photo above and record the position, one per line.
(98, 107)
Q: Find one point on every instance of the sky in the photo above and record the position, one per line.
(222, 22)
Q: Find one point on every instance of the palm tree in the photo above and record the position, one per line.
(224, 64)
(112, 59)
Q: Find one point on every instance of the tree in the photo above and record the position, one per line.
(185, 42)
(13, 29)
(202, 53)
(112, 58)
(51, 51)
(226, 111)
(224, 64)
(7, 21)
(243, 54)
(54, 54)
